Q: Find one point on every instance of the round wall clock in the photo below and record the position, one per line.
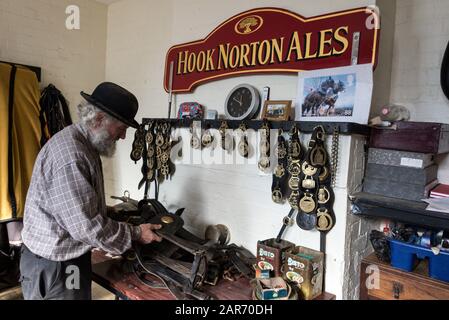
(242, 102)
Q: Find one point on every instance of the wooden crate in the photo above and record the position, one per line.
(394, 284)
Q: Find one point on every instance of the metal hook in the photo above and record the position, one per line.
(293, 130)
(320, 134)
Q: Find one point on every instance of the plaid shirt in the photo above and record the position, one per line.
(65, 209)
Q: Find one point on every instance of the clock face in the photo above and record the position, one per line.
(239, 102)
(242, 102)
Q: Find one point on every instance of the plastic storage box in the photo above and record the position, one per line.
(403, 257)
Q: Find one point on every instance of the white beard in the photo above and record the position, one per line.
(103, 143)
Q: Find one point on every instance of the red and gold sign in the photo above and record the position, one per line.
(273, 40)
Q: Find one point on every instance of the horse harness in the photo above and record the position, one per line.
(182, 262)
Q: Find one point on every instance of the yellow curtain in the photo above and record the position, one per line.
(26, 133)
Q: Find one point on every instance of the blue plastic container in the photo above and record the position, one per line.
(403, 257)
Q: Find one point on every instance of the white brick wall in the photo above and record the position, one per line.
(357, 244)
(33, 32)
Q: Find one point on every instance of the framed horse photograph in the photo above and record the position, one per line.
(277, 110)
(340, 94)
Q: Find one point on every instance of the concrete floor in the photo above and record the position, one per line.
(98, 293)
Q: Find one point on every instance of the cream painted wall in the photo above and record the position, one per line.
(33, 32)
(421, 37)
(382, 74)
(139, 35)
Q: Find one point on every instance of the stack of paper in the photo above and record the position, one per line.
(437, 204)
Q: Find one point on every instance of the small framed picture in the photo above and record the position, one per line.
(277, 110)
(340, 94)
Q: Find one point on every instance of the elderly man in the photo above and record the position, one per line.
(65, 211)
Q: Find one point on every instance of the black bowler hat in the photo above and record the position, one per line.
(116, 101)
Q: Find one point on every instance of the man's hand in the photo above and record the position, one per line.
(146, 233)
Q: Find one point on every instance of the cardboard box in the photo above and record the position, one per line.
(402, 174)
(271, 254)
(400, 190)
(303, 268)
(271, 289)
(263, 274)
(399, 158)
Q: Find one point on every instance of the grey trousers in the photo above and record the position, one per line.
(44, 279)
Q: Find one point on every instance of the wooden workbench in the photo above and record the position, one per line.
(108, 272)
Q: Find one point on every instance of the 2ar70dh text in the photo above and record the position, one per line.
(231, 309)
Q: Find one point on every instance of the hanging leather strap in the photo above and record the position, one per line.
(294, 167)
(309, 177)
(54, 114)
(280, 175)
(285, 223)
(323, 250)
(44, 137)
(12, 196)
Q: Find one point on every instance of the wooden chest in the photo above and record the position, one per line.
(394, 284)
(424, 137)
